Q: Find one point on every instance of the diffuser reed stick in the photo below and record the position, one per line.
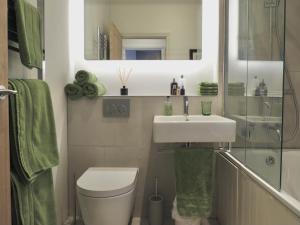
(124, 76)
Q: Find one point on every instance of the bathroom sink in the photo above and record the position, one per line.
(194, 128)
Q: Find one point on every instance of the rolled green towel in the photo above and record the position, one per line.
(207, 84)
(92, 90)
(83, 76)
(73, 91)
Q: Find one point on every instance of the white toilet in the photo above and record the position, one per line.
(106, 195)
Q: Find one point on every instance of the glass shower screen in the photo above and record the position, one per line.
(254, 83)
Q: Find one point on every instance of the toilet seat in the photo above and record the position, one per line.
(105, 182)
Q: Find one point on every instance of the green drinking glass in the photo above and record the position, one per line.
(206, 108)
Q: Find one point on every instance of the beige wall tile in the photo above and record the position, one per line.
(98, 141)
(292, 34)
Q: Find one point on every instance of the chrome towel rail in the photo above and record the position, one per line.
(5, 92)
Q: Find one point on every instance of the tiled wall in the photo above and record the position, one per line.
(293, 66)
(98, 141)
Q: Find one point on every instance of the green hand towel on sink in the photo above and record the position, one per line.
(29, 34)
(194, 170)
(32, 129)
(83, 77)
(92, 90)
(73, 91)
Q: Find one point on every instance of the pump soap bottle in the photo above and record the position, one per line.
(168, 108)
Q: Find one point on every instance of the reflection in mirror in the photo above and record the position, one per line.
(261, 29)
(143, 30)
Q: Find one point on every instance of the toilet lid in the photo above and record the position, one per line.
(107, 182)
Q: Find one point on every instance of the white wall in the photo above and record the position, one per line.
(151, 78)
(56, 75)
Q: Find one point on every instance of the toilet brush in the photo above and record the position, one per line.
(156, 207)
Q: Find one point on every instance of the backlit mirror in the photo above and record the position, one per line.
(143, 29)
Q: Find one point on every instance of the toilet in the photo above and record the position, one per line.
(106, 195)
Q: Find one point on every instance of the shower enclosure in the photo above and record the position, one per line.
(254, 83)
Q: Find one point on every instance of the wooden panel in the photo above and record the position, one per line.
(259, 207)
(5, 218)
(115, 43)
(227, 191)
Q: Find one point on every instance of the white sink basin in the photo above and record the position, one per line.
(198, 128)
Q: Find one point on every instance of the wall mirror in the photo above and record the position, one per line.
(143, 29)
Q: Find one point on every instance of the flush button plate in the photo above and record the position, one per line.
(115, 108)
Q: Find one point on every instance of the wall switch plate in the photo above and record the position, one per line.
(115, 108)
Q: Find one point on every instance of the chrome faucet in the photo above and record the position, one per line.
(186, 106)
(267, 109)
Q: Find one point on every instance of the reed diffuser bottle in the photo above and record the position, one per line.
(124, 77)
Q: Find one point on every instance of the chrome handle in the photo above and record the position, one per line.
(5, 92)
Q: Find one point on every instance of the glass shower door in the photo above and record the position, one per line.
(236, 78)
(265, 93)
(255, 64)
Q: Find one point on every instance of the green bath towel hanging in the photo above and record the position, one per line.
(33, 202)
(29, 34)
(32, 129)
(194, 170)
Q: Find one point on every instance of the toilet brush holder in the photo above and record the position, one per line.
(156, 210)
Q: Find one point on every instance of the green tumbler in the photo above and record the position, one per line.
(206, 108)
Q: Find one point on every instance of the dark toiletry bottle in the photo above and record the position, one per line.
(124, 90)
(182, 91)
(174, 87)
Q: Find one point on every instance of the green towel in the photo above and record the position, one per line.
(236, 88)
(73, 91)
(83, 77)
(207, 84)
(236, 84)
(32, 129)
(92, 90)
(203, 88)
(33, 202)
(209, 93)
(194, 170)
(29, 34)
